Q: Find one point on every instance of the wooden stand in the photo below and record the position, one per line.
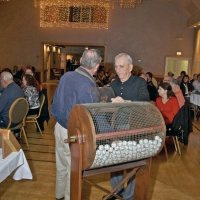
(8, 142)
(78, 174)
(132, 167)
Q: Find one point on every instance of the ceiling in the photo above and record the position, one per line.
(191, 8)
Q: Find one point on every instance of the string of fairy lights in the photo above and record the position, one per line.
(78, 13)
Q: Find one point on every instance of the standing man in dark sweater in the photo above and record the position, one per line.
(75, 87)
(11, 91)
(126, 88)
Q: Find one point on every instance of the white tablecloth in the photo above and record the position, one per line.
(16, 162)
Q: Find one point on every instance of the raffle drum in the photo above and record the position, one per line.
(108, 137)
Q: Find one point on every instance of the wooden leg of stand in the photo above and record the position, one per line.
(76, 172)
(142, 182)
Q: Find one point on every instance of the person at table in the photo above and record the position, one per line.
(182, 74)
(132, 88)
(177, 92)
(31, 70)
(31, 93)
(75, 87)
(196, 83)
(11, 91)
(153, 93)
(167, 103)
(186, 86)
(194, 77)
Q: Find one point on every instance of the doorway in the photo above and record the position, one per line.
(61, 58)
(176, 65)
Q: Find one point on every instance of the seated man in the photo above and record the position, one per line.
(11, 91)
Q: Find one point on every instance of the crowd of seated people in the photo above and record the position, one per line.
(180, 89)
(20, 83)
(104, 77)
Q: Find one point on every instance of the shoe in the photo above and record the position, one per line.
(63, 198)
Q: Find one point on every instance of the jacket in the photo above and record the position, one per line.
(182, 124)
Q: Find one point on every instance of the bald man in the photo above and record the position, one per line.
(11, 91)
(126, 87)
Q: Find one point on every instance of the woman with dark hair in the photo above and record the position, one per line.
(31, 93)
(31, 70)
(186, 86)
(167, 103)
(151, 87)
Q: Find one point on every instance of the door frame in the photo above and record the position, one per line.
(44, 69)
(189, 59)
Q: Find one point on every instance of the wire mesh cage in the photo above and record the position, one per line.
(114, 133)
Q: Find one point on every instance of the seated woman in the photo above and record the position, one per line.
(167, 103)
(186, 86)
(31, 93)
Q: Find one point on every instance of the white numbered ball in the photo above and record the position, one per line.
(134, 143)
(146, 141)
(113, 144)
(124, 143)
(101, 147)
(130, 143)
(107, 147)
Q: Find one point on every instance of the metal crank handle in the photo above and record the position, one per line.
(71, 139)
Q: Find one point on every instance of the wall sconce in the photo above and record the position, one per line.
(58, 50)
(54, 49)
(48, 48)
(178, 53)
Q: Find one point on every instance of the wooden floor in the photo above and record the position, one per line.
(177, 178)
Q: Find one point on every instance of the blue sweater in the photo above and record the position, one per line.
(8, 96)
(74, 88)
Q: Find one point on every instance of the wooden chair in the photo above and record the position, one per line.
(17, 115)
(176, 145)
(33, 118)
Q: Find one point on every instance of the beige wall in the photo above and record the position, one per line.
(150, 32)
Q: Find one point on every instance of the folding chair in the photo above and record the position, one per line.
(33, 118)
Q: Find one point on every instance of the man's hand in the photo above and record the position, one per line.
(119, 100)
